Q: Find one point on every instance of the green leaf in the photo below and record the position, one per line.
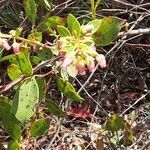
(53, 21)
(13, 145)
(37, 36)
(45, 54)
(114, 123)
(63, 32)
(13, 72)
(50, 22)
(18, 31)
(107, 31)
(72, 71)
(31, 10)
(25, 99)
(39, 128)
(68, 90)
(12, 126)
(55, 109)
(42, 86)
(8, 58)
(24, 62)
(5, 106)
(73, 25)
(34, 60)
(96, 24)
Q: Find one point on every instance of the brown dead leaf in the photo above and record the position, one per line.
(100, 144)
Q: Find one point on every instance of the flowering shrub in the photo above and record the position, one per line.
(77, 48)
(72, 53)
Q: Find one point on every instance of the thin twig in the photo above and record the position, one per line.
(139, 99)
(4, 88)
(133, 32)
(137, 45)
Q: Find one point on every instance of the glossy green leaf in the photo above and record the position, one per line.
(18, 31)
(10, 58)
(31, 10)
(107, 31)
(37, 36)
(68, 90)
(50, 22)
(42, 86)
(63, 31)
(13, 145)
(114, 123)
(12, 126)
(74, 25)
(39, 128)
(34, 60)
(55, 109)
(25, 99)
(24, 62)
(13, 72)
(5, 105)
(45, 54)
(53, 21)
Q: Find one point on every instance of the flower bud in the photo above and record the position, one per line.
(91, 66)
(15, 47)
(67, 61)
(5, 44)
(81, 69)
(101, 60)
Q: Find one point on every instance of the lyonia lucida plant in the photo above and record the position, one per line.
(72, 53)
(77, 48)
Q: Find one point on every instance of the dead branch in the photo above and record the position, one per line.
(134, 32)
(6, 87)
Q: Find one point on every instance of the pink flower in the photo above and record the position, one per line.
(67, 61)
(62, 54)
(101, 60)
(81, 69)
(91, 66)
(5, 44)
(15, 46)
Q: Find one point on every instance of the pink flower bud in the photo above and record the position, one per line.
(91, 66)
(101, 60)
(62, 55)
(81, 69)
(6, 46)
(67, 61)
(15, 46)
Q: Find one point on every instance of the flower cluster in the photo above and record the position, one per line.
(79, 52)
(15, 46)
